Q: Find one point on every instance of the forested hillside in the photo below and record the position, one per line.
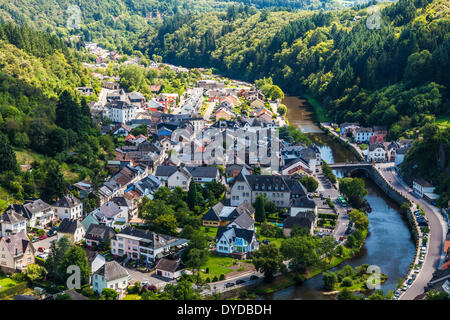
(115, 24)
(42, 117)
(395, 75)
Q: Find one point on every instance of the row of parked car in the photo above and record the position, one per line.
(423, 251)
(240, 281)
(52, 232)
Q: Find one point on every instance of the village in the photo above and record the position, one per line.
(123, 248)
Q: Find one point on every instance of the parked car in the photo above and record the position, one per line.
(409, 282)
(405, 286)
(240, 281)
(341, 238)
(413, 276)
(41, 249)
(229, 285)
(51, 233)
(44, 236)
(253, 277)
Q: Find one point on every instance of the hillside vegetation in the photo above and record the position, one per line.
(395, 75)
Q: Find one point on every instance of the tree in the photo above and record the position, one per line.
(437, 295)
(166, 224)
(55, 185)
(354, 189)
(329, 279)
(268, 260)
(196, 253)
(302, 251)
(58, 250)
(35, 272)
(359, 218)
(346, 294)
(310, 183)
(193, 196)
(109, 294)
(76, 256)
(260, 213)
(282, 109)
(152, 209)
(276, 93)
(8, 160)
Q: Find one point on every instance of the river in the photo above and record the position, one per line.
(389, 244)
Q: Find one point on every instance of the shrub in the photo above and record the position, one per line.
(347, 282)
(215, 279)
(87, 292)
(18, 277)
(222, 277)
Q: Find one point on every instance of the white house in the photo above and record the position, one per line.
(72, 229)
(12, 223)
(170, 269)
(172, 177)
(111, 215)
(111, 275)
(120, 111)
(69, 207)
(236, 242)
(376, 152)
(422, 186)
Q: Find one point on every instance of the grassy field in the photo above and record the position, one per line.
(217, 265)
(27, 156)
(132, 297)
(212, 231)
(6, 283)
(443, 121)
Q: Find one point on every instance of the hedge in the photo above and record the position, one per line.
(17, 289)
(328, 216)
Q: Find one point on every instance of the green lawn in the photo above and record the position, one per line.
(212, 231)
(217, 265)
(6, 283)
(132, 297)
(443, 121)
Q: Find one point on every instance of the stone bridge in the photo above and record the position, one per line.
(348, 168)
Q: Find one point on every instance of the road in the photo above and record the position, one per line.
(219, 286)
(437, 234)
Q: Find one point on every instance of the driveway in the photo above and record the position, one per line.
(146, 277)
(43, 243)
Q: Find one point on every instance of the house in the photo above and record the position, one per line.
(72, 229)
(362, 135)
(243, 221)
(236, 242)
(302, 204)
(347, 129)
(154, 105)
(122, 129)
(167, 99)
(97, 234)
(380, 131)
(12, 223)
(169, 268)
(89, 220)
(84, 188)
(111, 215)
(137, 99)
(86, 91)
(37, 213)
(302, 219)
(228, 102)
(375, 153)
(257, 104)
(147, 186)
(111, 85)
(16, 252)
(120, 111)
(69, 207)
(421, 187)
(145, 245)
(111, 275)
(278, 189)
(172, 177)
(210, 84)
(220, 215)
(223, 113)
(203, 175)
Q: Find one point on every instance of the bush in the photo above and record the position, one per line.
(207, 270)
(87, 291)
(347, 282)
(222, 277)
(215, 279)
(18, 277)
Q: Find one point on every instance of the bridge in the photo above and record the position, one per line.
(349, 167)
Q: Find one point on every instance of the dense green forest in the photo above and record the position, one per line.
(43, 118)
(290, 4)
(395, 75)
